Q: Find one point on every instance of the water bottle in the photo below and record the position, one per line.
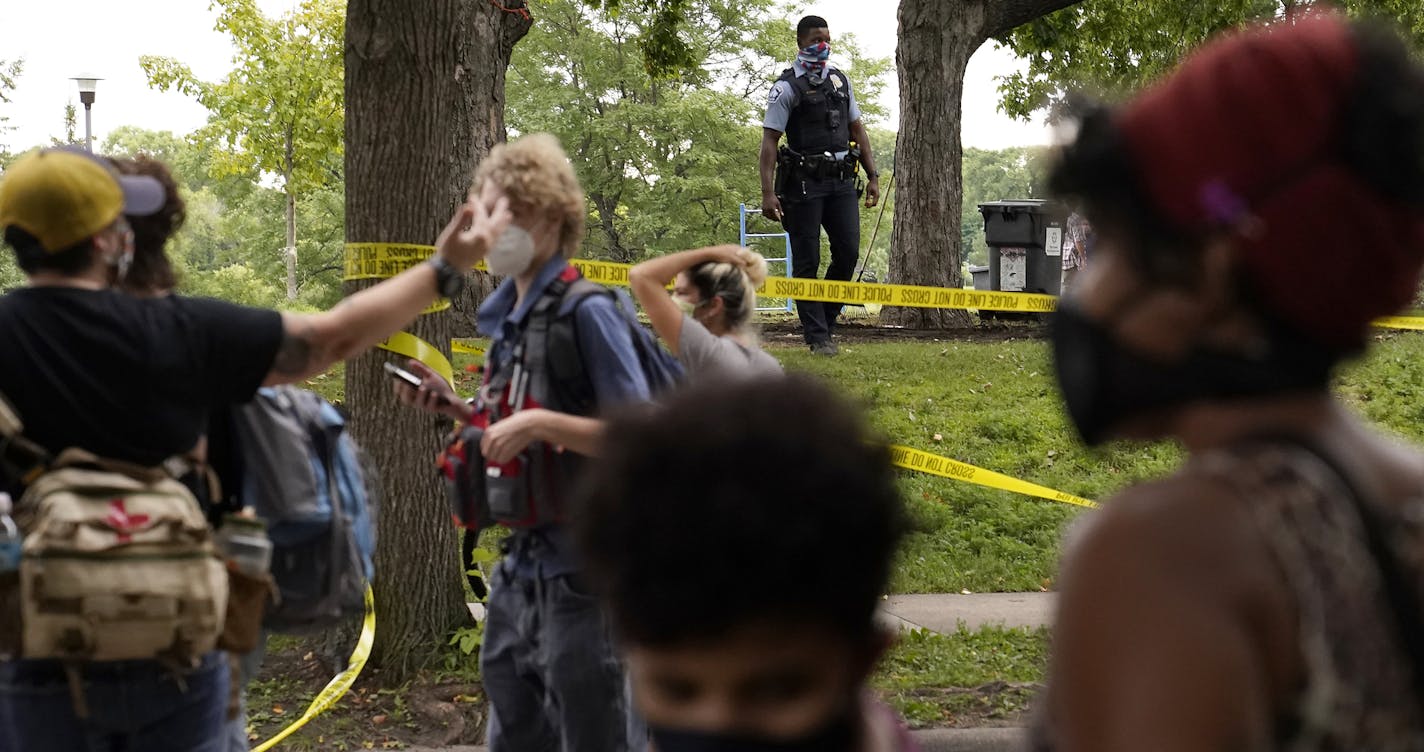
(244, 542)
(10, 538)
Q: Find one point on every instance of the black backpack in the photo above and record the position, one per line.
(528, 495)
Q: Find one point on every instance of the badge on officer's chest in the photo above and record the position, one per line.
(837, 83)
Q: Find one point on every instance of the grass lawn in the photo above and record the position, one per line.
(993, 405)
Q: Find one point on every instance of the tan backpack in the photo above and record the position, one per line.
(119, 563)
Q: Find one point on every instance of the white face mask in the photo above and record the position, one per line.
(512, 253)
(684, 305)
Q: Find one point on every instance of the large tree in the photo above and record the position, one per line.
(10, 70)
(935, 42)
(1111, 48)
(425, 102)
(279, 111)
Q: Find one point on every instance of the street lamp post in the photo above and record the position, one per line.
(86, 97)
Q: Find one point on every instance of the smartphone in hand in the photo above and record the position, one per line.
(400, 374)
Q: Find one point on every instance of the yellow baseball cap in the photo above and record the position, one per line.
(62, 196)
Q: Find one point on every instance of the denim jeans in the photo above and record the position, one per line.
(550, 672)
(248, 665)
(134, 706)
(839, 213)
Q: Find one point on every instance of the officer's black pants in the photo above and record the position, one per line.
(803, 219)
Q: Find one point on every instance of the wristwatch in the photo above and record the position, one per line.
(449, 281)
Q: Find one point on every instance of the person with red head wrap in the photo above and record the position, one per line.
(1254, 212)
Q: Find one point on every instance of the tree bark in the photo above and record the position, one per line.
(607, 209)
(424, 103)
(289, 254)
(931, 54)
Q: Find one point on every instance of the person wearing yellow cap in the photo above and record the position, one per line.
(133, 379)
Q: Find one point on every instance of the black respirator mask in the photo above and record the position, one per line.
(1105, 383)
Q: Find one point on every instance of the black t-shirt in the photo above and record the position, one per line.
(127, 378)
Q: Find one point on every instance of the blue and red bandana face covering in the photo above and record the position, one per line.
(813, 57)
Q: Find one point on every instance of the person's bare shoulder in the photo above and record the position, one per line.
(1168, 604)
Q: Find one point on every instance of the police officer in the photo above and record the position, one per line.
(811, 182)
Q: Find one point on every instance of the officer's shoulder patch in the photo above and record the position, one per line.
(775, 93)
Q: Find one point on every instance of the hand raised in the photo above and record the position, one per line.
(472, 232)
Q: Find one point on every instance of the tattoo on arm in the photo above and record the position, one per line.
(294, 355)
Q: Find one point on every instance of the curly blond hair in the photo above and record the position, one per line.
(535, 173)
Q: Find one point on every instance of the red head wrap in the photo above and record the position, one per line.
(1247, 134)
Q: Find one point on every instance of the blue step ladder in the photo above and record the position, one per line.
(785, 261)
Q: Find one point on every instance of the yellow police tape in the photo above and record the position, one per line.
(380, 260)
(1415, 323)
(460, 347)
(411, 346)
(933, 464)
(339, 684)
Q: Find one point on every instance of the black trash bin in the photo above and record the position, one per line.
(1025, 240)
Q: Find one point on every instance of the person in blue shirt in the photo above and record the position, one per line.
(814, 183)
(549, 670)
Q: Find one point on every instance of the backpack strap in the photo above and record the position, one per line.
(75, 457)
(23, 459)
(551, 353)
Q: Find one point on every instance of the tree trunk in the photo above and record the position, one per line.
(290, 253)
(607, 210)
(931, 54)
(424, 102)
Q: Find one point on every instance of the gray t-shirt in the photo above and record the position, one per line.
(708, 357)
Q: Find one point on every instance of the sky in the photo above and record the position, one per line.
(104, 38)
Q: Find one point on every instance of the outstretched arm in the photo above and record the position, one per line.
(312, 343)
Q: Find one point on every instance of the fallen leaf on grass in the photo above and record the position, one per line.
(379, 719)
(938, 437)
(278, 710)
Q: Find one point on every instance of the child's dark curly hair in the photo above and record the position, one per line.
(764, 500)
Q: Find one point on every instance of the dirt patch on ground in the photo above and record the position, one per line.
(430, 711)
(993, 705)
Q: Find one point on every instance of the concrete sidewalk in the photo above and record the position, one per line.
(944, 613)
(932, 740)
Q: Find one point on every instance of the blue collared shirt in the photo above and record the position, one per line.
(610, 361)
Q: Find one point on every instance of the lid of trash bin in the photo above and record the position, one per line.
(1012, 206)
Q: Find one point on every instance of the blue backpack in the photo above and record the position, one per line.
(305, 476)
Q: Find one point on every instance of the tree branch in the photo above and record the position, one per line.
(1004, 15)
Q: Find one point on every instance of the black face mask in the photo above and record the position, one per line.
(1105, 383)
(840, 735)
